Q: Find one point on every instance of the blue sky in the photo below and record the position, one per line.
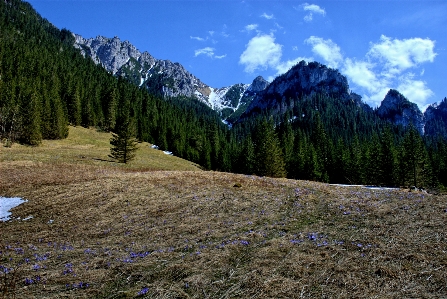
(378, 45)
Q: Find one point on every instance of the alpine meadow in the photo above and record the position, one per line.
(139, 180)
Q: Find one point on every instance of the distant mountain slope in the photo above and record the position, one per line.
(239, 101)
(435, 118)
(400, 111)
(304, 79)
(163, 77)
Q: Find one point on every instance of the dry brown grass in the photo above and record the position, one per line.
(192, 234)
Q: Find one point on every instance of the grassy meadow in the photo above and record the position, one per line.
(159, 227)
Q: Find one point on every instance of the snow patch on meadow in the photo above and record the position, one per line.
(6, 204)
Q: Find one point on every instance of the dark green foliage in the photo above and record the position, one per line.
(46, 84)
(269, 160)
(124, 144)
(414, 159)
(30, 124)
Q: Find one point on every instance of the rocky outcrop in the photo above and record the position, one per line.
(400, 111)
(111, 53)
(163, 77)
(304, 79)
(258, 85)
(121, 58)
(436, 119)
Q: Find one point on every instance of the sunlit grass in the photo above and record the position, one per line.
(90, 147)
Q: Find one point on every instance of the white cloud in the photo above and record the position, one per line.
(312, 8)
(399, 55)
(251, 27)
(268, 17)
(211, 32)
(198, 38)
(261, 52)
(361, 73)
(309, 17)
(415, 90)
(386, 65)
(326, 49)
(208, 51)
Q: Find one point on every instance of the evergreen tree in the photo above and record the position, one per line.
(387, 158)
(124, 144)
(414, 158)
(74, 106)
(246, 161)
(30, 124)
(269, 158)
(111, 101)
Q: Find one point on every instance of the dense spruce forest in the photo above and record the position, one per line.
(46, 85)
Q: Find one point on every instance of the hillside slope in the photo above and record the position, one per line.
(89, 147)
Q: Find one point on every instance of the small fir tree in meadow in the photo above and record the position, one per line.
(124, 143)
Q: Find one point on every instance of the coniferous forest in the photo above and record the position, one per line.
(46, 85)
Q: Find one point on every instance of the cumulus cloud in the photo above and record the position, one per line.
(415, 90)
(208, 51)
(399, 55)
(261, 52)
(251, 27)
(327, 50)
(312, 8)
(268, 17)
(361, 73)
(386, 65)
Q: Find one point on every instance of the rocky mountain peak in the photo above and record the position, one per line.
(308, 78)
(112, 53)
(399, 110)
(436, 119)
(258, 84)
(166, 78)
(302, 79)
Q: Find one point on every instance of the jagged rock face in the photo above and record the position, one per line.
(231, 102)
(400, 111)
(165, 78)
(123, 59)
(357, 99)
(436, 119)
(258, 84)
(310, 78)
(110, 52)
(302, 79)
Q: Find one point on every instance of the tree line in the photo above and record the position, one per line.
(46, 85)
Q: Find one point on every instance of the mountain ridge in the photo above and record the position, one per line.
(169, 79)
(237, 102)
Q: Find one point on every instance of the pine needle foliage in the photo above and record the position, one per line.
(124, 144)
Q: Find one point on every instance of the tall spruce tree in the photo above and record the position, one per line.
(387, 158)
(414, 157)
(30, 123)
(124, 143)
(269, 157)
